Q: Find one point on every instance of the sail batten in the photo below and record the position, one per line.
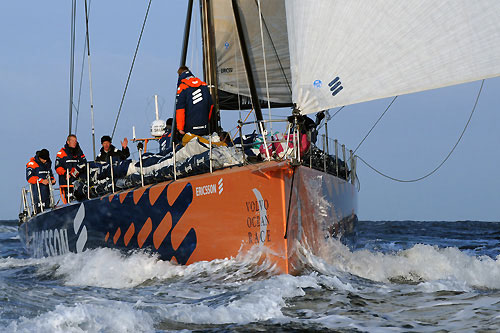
(346, 52)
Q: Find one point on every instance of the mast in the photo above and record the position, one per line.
(209, 59)
(187, 28)
(246, 61)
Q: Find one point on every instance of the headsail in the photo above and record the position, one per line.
(346, 52)
(230, 69)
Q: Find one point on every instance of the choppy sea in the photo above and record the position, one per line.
(402, 276)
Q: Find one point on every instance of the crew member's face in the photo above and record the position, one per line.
(106, 145)
(42, 160)
(72, 142)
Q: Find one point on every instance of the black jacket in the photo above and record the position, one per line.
(67, 159)
(114, 152)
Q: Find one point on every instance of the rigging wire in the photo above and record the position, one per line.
(328, 118)
(77, 107)
(131, 68)
(276, 53)
(72, 64)
(265, 65)
(90, 78)
(445, 159)
(371, 129)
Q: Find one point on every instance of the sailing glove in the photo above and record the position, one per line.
(74, 173)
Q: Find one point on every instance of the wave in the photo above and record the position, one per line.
(110, 316)
(431, 267)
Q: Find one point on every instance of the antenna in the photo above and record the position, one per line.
(156, 107)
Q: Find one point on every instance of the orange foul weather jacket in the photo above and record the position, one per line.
(193, 105)
(72, 160)
(36, 171)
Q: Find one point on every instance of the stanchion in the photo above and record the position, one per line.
(324, 153)
(345, 161)
(139, 146)
(40, 202)
(67, 185)
(112, 174)
(336, 157)
(88, 181)
(32, 200)
(51, 192)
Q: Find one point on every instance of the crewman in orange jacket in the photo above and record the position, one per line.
(70, 161)
(38, 174)
(194, 104)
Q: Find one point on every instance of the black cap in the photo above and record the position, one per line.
(44, 154)
(105, 138)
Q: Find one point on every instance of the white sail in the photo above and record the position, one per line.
(346, 52)
(230, 68)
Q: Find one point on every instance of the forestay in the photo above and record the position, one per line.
(345, 52)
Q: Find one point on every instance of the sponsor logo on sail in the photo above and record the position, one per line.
(335, 86)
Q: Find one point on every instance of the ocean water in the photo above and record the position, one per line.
(401, 276)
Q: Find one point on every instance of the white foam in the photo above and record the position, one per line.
(109, 268)
(109, 317)
(14, 262)
(437, 268)
(254, 301)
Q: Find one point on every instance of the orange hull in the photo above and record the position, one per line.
(237, 208)
(206, 217)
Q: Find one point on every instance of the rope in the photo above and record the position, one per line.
(330, 118)
(371, 129)
(131, 68)
(445, 159)
(249, 113)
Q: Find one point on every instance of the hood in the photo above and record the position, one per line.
(184, 75)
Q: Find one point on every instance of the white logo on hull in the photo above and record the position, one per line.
(221, 186)
(263, 216)
(50, 242)
(77, 222)
(210, 189)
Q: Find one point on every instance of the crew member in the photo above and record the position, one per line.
(193, 104)
(108, 150)
(165, 143)
(70, 161)
(38, 174)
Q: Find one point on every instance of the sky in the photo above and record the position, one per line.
(412, 139)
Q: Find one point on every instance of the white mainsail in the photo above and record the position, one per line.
(346, 52)
(230, 68)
